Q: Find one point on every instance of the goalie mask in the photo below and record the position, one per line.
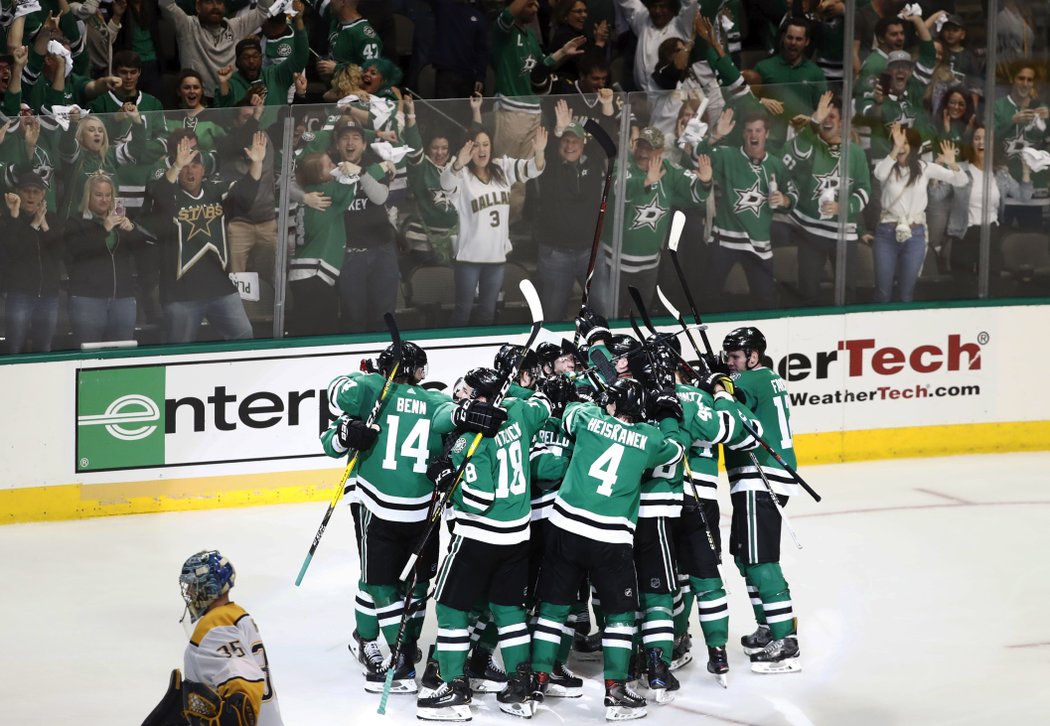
(205, 576)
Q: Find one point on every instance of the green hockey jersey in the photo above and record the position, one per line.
(548, 460)
(391, 477)
(766, 395)
(600, 495)
(709, 421)
(815, 166)
(354, 42)
(492, 502)
(515, 52)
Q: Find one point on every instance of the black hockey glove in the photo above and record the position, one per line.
(479, 416)
(666, 405)
(355, 434)
(442, 472)
(593, 328)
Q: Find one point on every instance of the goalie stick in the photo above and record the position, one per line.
(395, 336)
(602, 138)
(408, 574)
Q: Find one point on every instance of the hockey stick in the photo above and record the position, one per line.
(780, 460)
(528, 290)
(773, 496)
(602, 137)
(395, 335)
(677, 225)
(636, 295)
(681, 321)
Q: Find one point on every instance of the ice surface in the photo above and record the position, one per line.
(921, 593)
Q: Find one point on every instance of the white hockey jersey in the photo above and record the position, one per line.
(226, 652)
(484, 209)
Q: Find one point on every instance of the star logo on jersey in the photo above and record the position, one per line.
(825, 182)
(750, 200)
(1016, 143)
(528, 64)
(195, 235)
(441, 199)
(648, 215)
(461, 444)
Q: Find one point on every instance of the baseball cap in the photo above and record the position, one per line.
(345, 128)
(31, 179)
(652, 136)
(899, 56)
(575, 129)
(955, 19)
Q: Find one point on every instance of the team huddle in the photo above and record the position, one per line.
(566, 490)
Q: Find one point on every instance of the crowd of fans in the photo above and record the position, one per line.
(150, 149)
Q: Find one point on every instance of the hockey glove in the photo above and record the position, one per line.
(442, 472)
(356, 434)
(479, 416)
(202, 706)
(593, 328)
(666, 405)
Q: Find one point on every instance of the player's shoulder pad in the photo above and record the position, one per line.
(224, 615)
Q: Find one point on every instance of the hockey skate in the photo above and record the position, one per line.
(621, 703)
(540, 683)
(718, 664)
(662, 684)
(757, 641)
(450, 702)
(682, 655)
(780, 656)
(516, 698)
(587, 647)
(484, 673)
(369, 656)
(431, 679)
(564, 683)
(404, 677)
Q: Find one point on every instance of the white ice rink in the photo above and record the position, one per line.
(922, 594)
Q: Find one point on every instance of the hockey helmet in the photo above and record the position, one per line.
(205, 577)
(623, 345)
(413, 358)
(549, 353)
(629, 397)
(483, 382)
(746, 339)
(509, 355)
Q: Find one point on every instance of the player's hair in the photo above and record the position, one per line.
(495, 169)
(967, 99)
(590, 62)
(884, 24)
(665, 52)
(82, 130)
(127, 59)
(913, 162)
(758, 115)
(388, 71)
(310, 170)
(563, 8)
(798, 23)
(93, 181)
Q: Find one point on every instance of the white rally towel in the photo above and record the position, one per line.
(381, 110)
(61, 114)
(1036, 159)
(910, 9)
(342, 176)
(56, 48)
(282, 7)
(388, 152)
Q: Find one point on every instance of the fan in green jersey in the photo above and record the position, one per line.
(755, 532)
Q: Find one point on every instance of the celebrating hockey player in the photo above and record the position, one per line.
(488, 557)
(593, 522)
(395, 493)
(755, 533)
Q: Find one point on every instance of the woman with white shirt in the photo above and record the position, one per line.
(966, 207)
(480, 187)
(900, 239)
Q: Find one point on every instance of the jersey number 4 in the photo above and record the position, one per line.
(605, 467)
(413, 447)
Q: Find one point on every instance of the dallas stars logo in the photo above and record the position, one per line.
(195, 235)
(441, 199)
(1015, 143)
(648, 215)
(749, 200)
(528, 64)
(826, 181)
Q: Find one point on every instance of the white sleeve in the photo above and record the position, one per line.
(635, 13)
(956, 178)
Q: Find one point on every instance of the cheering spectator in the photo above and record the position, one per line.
(30, 251)
(900, 238)
(207, 40)
(792, 79)
(752, 183)
(961, 60)
(369, 277)
(101, 244)
(194, 282)
(207, 128)
(1021, 117)
(128, 68)
(569, 191)
(570, 21)
(814, 157)
(138, 29)
(890, 37)
(480, 187)
(353, 39)
(967, 208)
(653, 24)
(328, 191)
(250, 73)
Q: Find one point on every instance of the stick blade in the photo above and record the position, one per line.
(677, 226)
(532, 298)
(395, 334)
(667, 304)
